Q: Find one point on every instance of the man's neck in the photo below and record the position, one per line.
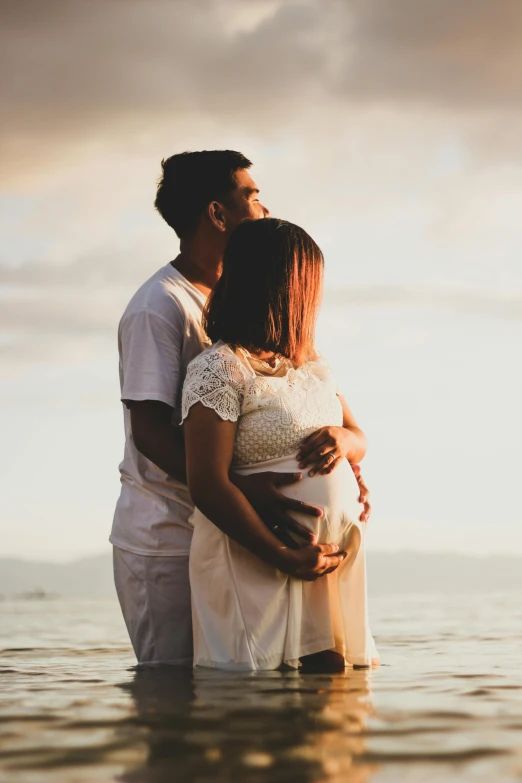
(200, 266)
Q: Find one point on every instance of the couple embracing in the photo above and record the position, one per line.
(238, 536)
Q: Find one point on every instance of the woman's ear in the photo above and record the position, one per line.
(217, 216)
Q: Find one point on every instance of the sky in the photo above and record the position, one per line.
(390, 131)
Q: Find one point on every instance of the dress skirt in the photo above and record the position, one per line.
(249, 616)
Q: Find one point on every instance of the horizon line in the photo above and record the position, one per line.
(370, 552)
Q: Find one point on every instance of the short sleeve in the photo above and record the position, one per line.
(150, 351)
(217, 380)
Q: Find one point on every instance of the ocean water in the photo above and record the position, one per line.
(445, 705)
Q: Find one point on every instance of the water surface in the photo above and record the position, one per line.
(446, 705)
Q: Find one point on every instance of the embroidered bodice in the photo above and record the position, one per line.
(276, 407)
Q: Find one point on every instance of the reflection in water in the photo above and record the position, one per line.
(274, 726)
(445, 706)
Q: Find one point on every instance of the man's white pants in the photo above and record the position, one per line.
(154, 595)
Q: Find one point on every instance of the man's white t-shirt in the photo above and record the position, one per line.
(159, 335)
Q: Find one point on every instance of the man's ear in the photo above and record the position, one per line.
(217, 216)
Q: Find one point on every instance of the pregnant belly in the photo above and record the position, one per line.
(336, 494)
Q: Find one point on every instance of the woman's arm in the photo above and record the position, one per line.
(209, 445)
(357, 444)
(323, 450)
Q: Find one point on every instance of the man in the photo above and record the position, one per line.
(203, 196)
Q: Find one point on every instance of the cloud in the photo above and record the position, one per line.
(65, 318)
(391, 131)
(460, 54)
(85, 66)
(78, 67)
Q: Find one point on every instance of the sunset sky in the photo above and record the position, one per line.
(391, 131)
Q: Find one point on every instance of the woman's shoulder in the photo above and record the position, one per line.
(217, 379)
(319, 367)
(317, 363)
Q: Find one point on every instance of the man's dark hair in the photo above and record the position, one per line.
(268, 295)
(190, 181)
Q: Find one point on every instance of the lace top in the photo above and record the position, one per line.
(276, 409)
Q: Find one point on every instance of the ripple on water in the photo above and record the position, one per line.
(444, 707)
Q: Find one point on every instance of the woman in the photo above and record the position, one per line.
(258, 400)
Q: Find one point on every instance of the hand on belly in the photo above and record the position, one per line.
(337, 494)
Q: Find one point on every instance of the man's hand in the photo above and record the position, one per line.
(262, 491)
(364, 497)
(324, 449)
(311, 562)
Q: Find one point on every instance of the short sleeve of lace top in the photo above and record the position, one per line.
(217, 379)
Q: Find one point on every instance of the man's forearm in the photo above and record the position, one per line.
(164, 446)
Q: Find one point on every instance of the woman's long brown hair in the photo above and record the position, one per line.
(268, 295)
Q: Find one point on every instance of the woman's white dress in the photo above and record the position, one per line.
(248, 615)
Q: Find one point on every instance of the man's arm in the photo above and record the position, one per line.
(150, 350)
(157, 438)
(162, 442)
(210, 445)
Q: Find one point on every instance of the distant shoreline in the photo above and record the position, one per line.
(408, 572)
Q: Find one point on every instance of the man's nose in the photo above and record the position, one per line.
(266, 211)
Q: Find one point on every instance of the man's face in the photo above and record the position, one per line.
(244, 203)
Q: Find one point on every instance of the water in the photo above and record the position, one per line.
(446, 705)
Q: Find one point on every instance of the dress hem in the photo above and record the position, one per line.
(272, 663)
